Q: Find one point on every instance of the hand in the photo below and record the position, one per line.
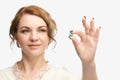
(86, 46)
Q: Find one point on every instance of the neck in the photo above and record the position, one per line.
(31, 65)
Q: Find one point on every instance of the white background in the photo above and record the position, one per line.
(68, 15)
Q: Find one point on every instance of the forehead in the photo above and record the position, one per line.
(31, 20)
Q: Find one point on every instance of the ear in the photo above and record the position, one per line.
(16, 39)
(50, 40)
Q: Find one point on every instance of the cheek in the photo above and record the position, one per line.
(21, 40)
(45, 39)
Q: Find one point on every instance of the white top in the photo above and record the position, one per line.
(51, 73)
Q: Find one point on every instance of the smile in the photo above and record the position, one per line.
(34, 46)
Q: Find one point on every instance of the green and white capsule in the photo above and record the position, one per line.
(70, 34)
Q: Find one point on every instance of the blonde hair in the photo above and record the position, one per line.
(37, 11)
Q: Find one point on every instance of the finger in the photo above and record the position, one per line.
(85, 25)
(79, 33)
(92, 28)
(75, 41)
(97, 32)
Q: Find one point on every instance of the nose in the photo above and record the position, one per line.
(34, 36)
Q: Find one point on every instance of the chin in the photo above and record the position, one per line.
(36, 53)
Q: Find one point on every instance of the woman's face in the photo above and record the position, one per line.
(32, 35)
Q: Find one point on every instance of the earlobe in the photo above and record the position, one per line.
(49, 41)
(18, 45)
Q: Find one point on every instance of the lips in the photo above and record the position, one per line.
(34, 46)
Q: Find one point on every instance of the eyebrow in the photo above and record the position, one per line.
(28, 27)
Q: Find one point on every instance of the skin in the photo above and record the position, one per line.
(86, 48)
(32, 37)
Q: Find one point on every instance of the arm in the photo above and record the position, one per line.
(89, 72)
(86, 48)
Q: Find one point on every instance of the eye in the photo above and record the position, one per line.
(43, 30)
(24, 31)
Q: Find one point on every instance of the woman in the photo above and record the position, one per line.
(33, 30)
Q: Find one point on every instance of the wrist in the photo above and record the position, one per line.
(89, 71)
(89, 66)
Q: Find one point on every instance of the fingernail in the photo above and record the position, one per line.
(71, 31)
(99, 27)
(85, 17)
(93, 18)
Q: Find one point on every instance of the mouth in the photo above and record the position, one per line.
(34, 46)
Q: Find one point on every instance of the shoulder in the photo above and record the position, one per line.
(61, 73)
(6, 73)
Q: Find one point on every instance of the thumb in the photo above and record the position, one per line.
(75, 41)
